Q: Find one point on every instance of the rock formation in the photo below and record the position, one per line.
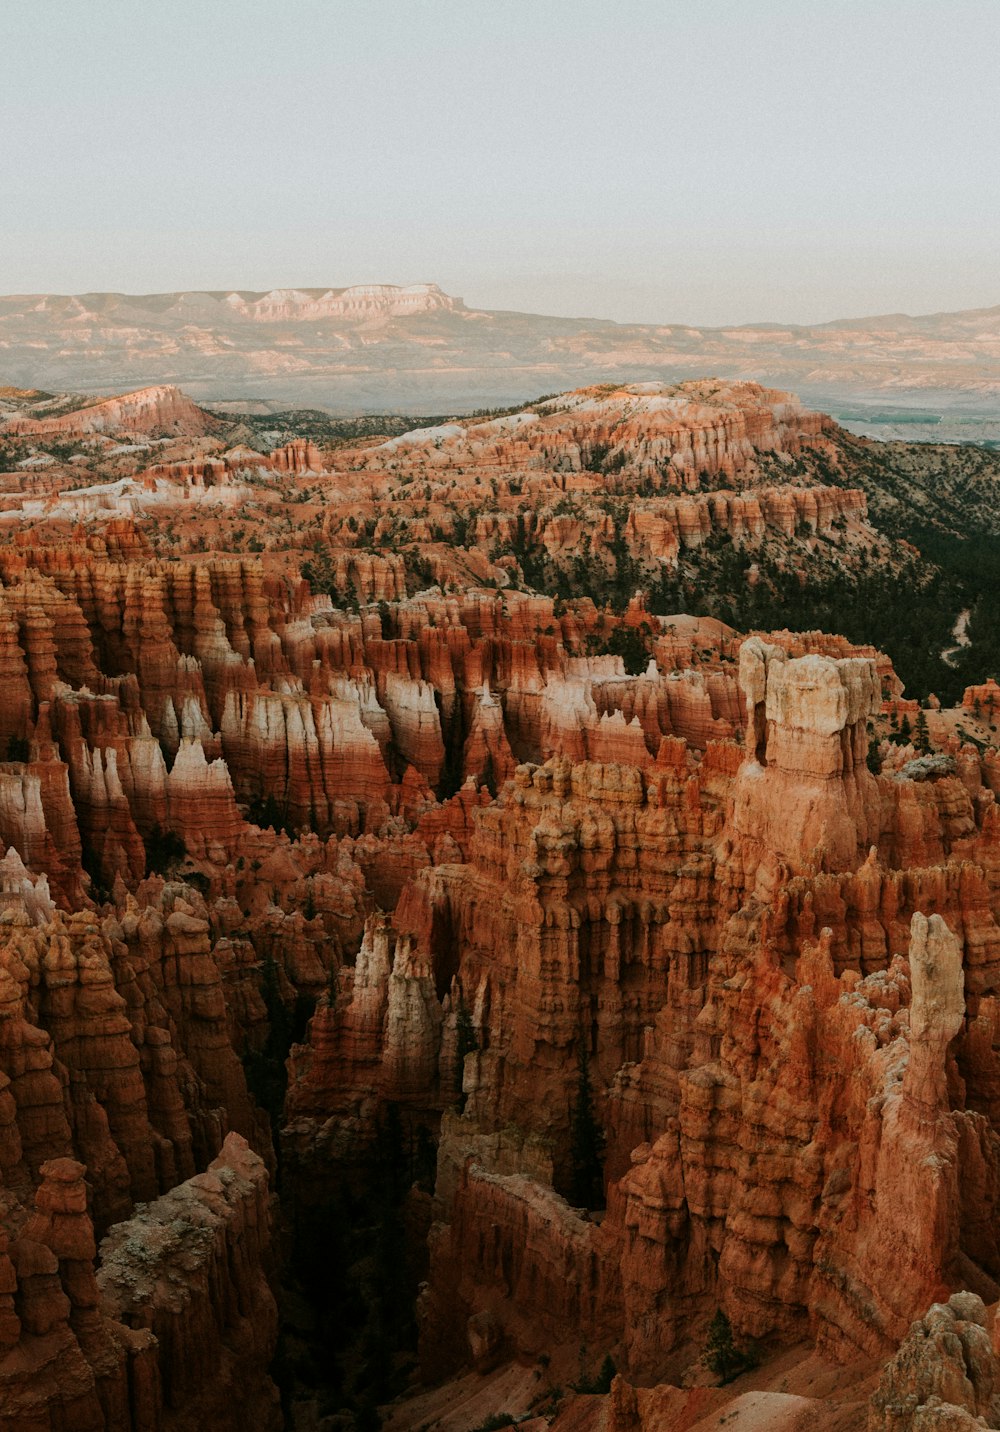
(154, 410)
(191, 1269)
(946, 1373)
(642, 428)
(805, 798)
(176, 1330)
(595, 965)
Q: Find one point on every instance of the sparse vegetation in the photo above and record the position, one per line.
(586, 1141)
(601, 1381)
(494, 1421)
(164, 849)
(723, 1355)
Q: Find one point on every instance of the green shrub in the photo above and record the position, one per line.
(494, 1421)
(723, 1356)
(164, 848)
(601, 1382)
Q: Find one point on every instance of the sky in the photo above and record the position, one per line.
(700, 161)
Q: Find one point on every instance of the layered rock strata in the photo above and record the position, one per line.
(764, 1082)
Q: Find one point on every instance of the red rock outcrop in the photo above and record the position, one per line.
(756, 1143)
(298, 456)
(670, 432)
(178, 1326)
(665, 528)
(946, 1373)
(63, 1362)
(160, 409)
(805, 800)
(984, 698)
(191, 1269)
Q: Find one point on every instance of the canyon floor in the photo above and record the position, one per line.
(498, 918)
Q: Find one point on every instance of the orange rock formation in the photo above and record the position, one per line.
(500, 865)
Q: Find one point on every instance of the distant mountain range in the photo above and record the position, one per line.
(416, 349)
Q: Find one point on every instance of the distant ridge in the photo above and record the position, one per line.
(415, 348)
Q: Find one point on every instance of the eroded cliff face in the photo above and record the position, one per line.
(692, 428)
(792, 1063)
(175, 1332)
(161, 408)
(795, 1118)
(945, 1373)
(805, 800)
(149, 695)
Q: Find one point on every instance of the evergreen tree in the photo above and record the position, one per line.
(164, 848)
(722, 1355)
(586, 1142)
(391, 1156)
(601, 1382)
(454, 742)
(267, 1077)
(425, 1159)
(268, 813)
(923, 738)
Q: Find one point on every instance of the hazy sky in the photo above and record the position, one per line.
(708, 161)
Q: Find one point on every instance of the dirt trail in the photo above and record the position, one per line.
(960, 631)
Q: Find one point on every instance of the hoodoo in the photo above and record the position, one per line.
(450, 947)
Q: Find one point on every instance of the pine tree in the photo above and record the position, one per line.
(721, 1353)
(454, 741)
(586, 1142)
(923, 737)
(267, 1077)
(425, 1159)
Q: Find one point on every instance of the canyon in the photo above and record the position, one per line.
(456, 966)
